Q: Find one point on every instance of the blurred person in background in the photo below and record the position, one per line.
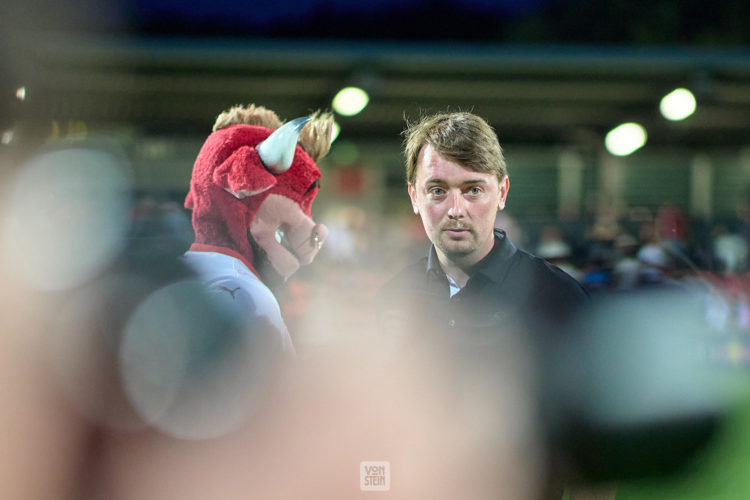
(627, 267)
(554, 248)
(475, 298)
(730, 250)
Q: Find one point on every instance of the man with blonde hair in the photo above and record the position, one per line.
(457, 181)
(490, 310)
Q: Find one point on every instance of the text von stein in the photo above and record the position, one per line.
(374, 476)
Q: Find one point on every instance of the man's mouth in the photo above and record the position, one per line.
(456, 233)
(457, 229)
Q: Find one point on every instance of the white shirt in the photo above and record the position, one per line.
(227, 274)
(453, 285)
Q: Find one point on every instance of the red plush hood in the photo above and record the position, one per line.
(229, 183)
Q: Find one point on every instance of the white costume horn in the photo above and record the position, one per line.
(277, 151)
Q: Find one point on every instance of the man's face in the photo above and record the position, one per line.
(458, 207)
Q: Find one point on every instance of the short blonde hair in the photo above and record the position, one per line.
(461, 137)
(315, 137)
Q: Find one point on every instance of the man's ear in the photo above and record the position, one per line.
(504, 187)
(413, 196)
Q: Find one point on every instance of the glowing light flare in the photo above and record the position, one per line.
(643, 362)
(7, 137)
(625, 139)
(678, 104)
(67, 218)
(21, 93)
(350, 101)
(194, 363)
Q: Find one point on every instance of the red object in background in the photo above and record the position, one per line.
(351, 180)
(671, 223)
(296, 302)
(415, 229)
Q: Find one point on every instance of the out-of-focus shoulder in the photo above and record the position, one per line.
(403, 280)
(553, 276)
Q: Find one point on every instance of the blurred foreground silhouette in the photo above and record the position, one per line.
(123, 379)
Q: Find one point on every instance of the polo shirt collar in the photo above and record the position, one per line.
(490, 266)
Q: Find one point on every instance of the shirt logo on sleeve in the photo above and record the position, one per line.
(231, 292)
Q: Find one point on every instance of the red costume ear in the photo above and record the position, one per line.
(243, 174)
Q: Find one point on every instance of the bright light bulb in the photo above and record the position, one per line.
(625, 139)
(350, 100)
(678, 104)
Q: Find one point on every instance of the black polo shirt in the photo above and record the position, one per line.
(510, 291)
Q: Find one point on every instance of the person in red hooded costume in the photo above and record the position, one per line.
(251, 192)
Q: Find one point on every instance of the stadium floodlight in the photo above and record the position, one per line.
(350, 101)
(625, 139)
(678, 104)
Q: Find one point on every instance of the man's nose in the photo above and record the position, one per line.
(456, 208)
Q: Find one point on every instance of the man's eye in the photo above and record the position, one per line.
(437, 191)
(475, 190)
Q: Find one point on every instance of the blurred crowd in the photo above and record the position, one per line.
(614, 253)
(609, 253)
